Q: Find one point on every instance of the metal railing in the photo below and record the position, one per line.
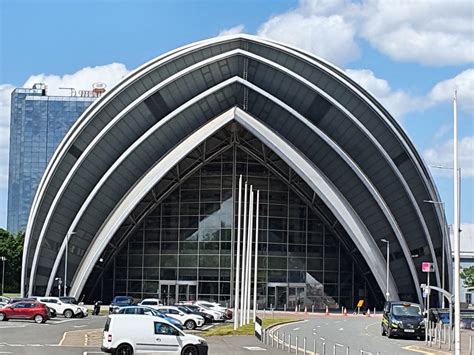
(297, 345)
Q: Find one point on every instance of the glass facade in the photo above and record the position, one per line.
(185, 248)
(37, 125)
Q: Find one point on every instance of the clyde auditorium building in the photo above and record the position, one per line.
(143, 189)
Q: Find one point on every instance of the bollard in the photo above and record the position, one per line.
(289, 343)
(278, 339)
(439, 336)
(334, 350)
(304, 345)
(272, 338)
(296, 341)
(347, 351)
(470, 344)
(312, 308)
(284, 307)
(314, 346)
(324, 349)
(283, 342)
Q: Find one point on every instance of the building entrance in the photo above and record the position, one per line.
(172, 291)
(285, 296)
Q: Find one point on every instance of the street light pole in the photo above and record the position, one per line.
(457, 286)
(387, 294)
(3, 271)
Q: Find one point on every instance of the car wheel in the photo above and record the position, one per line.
(190, 350)
(39, 318)
(383, 331)
(190, 324)
(3, 317)
(389, 333)
(124, 349)
(68, 313)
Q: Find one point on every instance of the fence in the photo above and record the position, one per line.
(305, 346)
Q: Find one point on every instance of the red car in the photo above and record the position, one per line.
(25, 310)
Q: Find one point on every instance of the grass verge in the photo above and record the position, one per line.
(248, 329)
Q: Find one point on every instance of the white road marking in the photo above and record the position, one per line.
(341, 329)
(254, 348)
(322, 338)
(297, 328)
(80, 326)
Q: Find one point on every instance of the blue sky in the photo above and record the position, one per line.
(410, 56)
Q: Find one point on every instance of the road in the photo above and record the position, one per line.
(358, 332)
(61, 336)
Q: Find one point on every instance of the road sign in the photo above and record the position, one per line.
(258, 328)
(360, 303)
(427, 267)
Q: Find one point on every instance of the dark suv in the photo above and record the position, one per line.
(120, 301)
(403, 319)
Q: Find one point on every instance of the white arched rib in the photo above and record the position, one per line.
(321, 185)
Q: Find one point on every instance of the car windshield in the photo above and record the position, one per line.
(408, 310)
(122, 299)
(185, 310)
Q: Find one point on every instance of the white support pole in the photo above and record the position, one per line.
(457, 286)
(256, 261)
(249, 257)
(244, 244)
(237, 269)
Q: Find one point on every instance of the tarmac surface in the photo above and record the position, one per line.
(84, 337)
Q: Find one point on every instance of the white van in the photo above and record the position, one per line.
(126, 334)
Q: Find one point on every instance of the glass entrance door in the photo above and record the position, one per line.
(277, 296)
(187, 292)
(296, 297)
(168, 292)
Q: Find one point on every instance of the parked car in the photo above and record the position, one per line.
(402, 319)
(190, 321)
(126, 334)
(68, 310)
(72, 300)
(5, 299)
(207, 317)
(151, 302)
(216, 307)
(25, 310)
(149, 311)
(218, 316)
(120, 301)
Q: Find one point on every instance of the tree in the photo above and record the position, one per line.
(467, 274)
(11, 247)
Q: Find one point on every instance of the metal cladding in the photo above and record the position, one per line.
(344, 145)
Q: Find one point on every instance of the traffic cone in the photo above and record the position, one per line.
(368, 312)
(296, 309)
(305, 310)
(345, 311)
(327, 310)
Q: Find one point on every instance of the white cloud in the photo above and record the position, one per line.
(430, 32)
(81, 80)
(397, 102)
(315, 26)
(442, 154)
(232, 31)
(463, 83)
(466, 237)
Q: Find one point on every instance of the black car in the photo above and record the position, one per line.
(187, 309)
(120, 301)
(403, 319)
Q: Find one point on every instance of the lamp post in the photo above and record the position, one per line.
(65, 262)
(387, 294)
(457, 283)
(443, 244)
(60, 281)
(3, 259)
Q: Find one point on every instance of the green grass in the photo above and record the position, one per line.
(248, 329)
(12, 295)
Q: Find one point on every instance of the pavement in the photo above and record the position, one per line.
(83, 337)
